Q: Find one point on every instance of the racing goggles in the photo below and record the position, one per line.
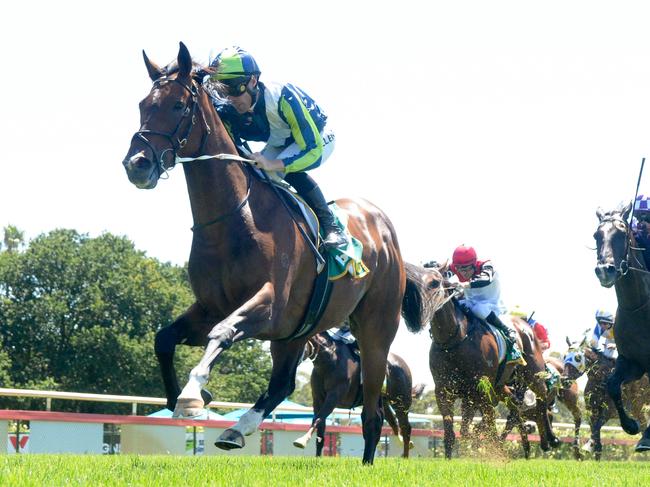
(234, 86)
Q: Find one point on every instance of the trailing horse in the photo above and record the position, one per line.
(250, 269)
(567, 394)
(336, 382)
(581, 359)
(464, 358)
(621, 264)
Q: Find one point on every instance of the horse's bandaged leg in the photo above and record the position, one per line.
(248, 423)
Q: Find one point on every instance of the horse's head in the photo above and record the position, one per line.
(574, 360)
(167, 115)
(612, 244)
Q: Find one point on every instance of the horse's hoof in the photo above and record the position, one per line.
(300, 443)
(555, 442)
(188, 408)
(589, 446)
(229, 440)
(631, 426)
(411, 445)
(206, 396)
(643, 445)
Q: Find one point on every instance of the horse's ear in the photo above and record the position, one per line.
(600, 214)
(184, 61)
(154, 71)
(626, 211)
(583, 342)
(568, 342)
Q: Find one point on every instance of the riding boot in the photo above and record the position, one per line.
(514, 354)
(333, 233)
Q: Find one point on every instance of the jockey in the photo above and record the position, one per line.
(541, 333)
(482, 294)
(287, 119)
(602, 339)
(641, 226)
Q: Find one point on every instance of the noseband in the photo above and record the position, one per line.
(177, 142)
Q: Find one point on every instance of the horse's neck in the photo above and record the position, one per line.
(446, 325)
(215, 187)
(633, 289)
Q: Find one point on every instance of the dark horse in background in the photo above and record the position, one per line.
(621, 264)
(250, 270)
(568, 394)
(464, 360)
(336, 382)
(581, 359)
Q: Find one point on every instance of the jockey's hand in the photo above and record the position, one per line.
(267, 164)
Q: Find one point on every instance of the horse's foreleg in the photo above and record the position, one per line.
(569, 397)
(165, 346)
(321, 413)
(446, 408)
(286, 358)
(389, 416)
(245, 322)
(625, 371)
(547, 437)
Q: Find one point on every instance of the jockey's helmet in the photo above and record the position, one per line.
(463, 257)
(519, 312)
(234, 68)
(602, 315)
(642, 208)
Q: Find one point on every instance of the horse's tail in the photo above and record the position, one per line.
(417, 308)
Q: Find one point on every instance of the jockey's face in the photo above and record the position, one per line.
(243, 102)
(643, 223)
(465, 272)
(605, 325)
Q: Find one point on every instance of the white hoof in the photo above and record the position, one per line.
(301, 442)
(589, 446)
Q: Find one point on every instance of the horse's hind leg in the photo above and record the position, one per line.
(625, 371)
(321, 411)
(374, 342)
(389, 416)
(286, 358)
(405, 428)
(185, 329)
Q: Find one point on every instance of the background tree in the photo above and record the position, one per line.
(80, 314)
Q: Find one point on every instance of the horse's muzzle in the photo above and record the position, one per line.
(141, 171)
(606, 274)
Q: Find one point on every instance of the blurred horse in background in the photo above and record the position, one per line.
(336, 382)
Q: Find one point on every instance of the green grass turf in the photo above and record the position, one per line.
(38, 470)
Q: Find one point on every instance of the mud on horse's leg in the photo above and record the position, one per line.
(625, 371)
(286, 358)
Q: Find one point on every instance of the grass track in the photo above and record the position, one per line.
(62, 470)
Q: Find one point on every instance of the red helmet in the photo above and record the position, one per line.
(463, 256)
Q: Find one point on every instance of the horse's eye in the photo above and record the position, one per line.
(578, 358)
(179, 105)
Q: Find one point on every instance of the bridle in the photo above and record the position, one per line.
(177, 142)
(624, 266)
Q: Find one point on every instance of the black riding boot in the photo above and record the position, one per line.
(333, 233)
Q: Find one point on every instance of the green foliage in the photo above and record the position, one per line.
(80, 314)
(302, 394)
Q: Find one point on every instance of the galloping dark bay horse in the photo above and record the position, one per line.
(250, 270)
(567, 394)
(336, 382)
(581, 359)
(621, 264)
(464, 359)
